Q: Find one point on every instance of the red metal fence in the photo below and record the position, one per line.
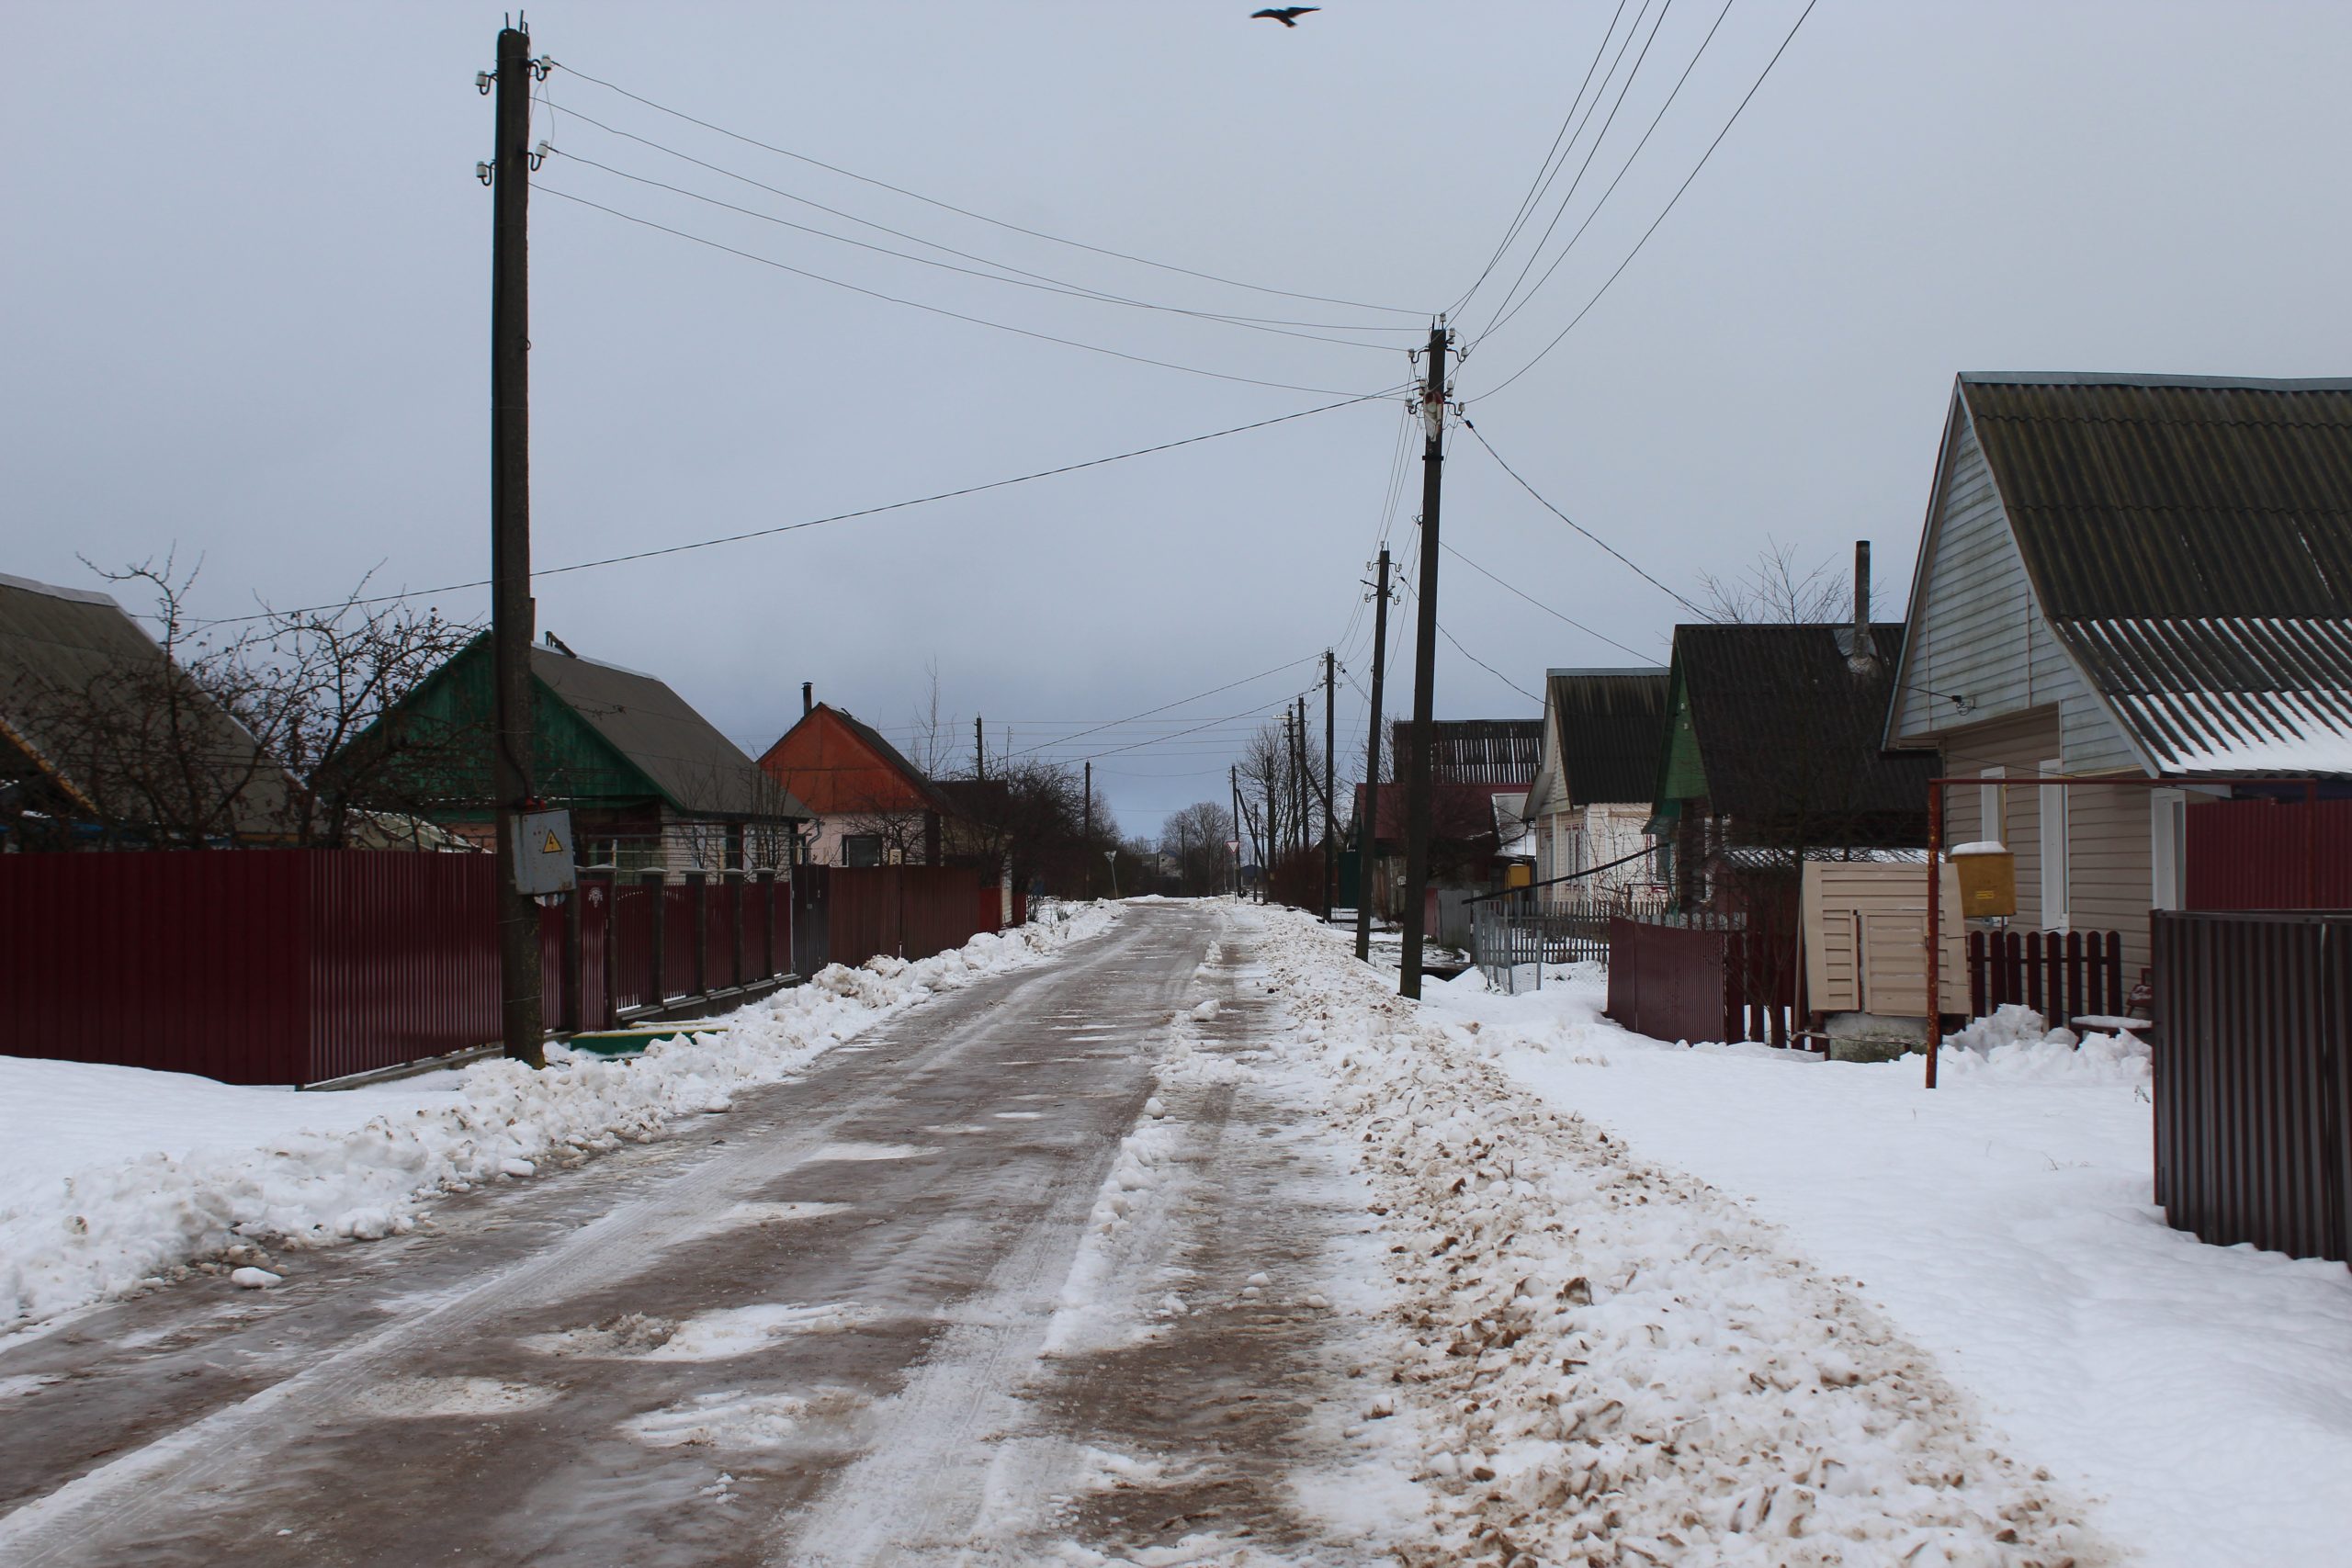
(2254, 1139)
(299, 966)
(1706, 981)
(2058, 975)
(2269, 854)
(909, 911)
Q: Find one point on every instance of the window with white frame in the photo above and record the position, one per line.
(1992, 806)
(2168, 848)
(2054, 889)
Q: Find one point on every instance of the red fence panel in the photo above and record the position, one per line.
(402, 953)
(632, 960)
(1671, 982)
(251, 965)
(2252, 854)
(2253, 1140)
(679, 904)
(912, 912)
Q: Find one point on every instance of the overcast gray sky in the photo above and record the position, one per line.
(246, 271)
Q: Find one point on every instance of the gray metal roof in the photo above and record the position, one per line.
(73, 663)
(1479, 750)
(2189, 539)
(701, 771)
(1611, 725)
(1789, 733)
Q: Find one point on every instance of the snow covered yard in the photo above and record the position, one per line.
(1619, 1364)
(112, 1179)
(2005, 1224)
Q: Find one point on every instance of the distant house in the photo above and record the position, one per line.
(105, 744)
(2146, 576)
(1772, 753)
(651, 785)
(868, 803)
(1589, 803)
(1472, 763)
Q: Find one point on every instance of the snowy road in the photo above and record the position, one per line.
(1038, 1271)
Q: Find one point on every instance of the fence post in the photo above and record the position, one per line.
(572, 1009)
(735, 897)
(767, 926)
(694, 884)
(609, 884)
(656, 883)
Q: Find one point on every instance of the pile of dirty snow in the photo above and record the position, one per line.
(1616, 1362)
(112, 1177)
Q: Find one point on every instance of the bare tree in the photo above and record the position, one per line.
(1774, 590)
(1195, 838)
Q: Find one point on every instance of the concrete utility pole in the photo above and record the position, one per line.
(979, 749)
(1369, 825)
(1417, 772)
(1331, 818)
(511, 611)
(1086, 833)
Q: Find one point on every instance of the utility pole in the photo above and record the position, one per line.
(979, 749)
(1086, 833)
(1233, 780)
(1417, 773)
(511, 610)
(1331, 818)
(1301, 780)
(1368, 826)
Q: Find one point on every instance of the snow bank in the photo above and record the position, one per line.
(2004, 1223)
(112, 1175)
(1619, 1363)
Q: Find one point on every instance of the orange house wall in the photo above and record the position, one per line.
(834, 773)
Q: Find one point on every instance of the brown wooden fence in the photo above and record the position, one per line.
(2254, 1138)
(2060, 975)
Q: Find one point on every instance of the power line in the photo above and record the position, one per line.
(1028, 280)
(1486, 667)
(1579, 528)
(1591, 152)
(934, 309)
(1536, 187)
(836, 517)
(981, 217)
(1624, 169)
(1661, 218)
(1179, 703)
(1547, 609)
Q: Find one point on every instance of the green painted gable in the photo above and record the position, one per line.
(573, 764)
(1681, 776)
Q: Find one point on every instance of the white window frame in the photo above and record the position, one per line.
(1993, 806)
(2167, 849)
(2056, 884)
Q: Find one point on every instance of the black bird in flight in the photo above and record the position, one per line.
(1287, 16)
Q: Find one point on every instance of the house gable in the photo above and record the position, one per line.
(838, 767)
(1976, 631)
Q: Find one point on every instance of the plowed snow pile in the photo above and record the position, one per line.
(1619, 1364)
(110, 1176)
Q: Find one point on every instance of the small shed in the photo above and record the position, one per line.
(1865, 933)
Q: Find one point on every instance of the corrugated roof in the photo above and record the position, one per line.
(1611, 725)
(700, 769)
(919, 780)
(1479, 750)
(1789, 733)
(66, 654)
(2189, 539)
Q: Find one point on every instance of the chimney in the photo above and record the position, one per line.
(807, 697)
(1863, 655)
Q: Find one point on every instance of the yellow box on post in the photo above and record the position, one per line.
(1988, 880)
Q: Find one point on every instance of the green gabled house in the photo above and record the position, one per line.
(650, 783)
(1772, 748)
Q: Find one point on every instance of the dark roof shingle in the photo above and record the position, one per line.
(700, 769)
(1611, 725)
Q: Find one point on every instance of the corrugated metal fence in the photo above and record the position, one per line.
(299, 966)
(2269, 854)
(1702, 978)
(2254, 1141)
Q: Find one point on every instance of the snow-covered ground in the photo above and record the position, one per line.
(1615, 1362)
(111, 1177)
(2200, 1397)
